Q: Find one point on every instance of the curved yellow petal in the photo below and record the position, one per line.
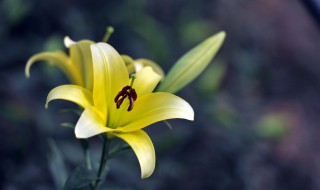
(134, 66)
(129, 63)
(90, 124)
(110, 76)
(152, 108)
(143, 148)
(146, 80)
(140, 63)
(59, 59)
(80, 55)
(72, 93)
(52, 57)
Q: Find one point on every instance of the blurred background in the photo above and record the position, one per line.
(257, 104)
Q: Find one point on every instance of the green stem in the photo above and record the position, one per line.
(88, 160)
(103, 162)
(85, 146)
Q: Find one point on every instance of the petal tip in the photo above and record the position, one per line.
(78, 133)
(146, 174)
(68, 42)
(78, 136)
(191, 118)
(27, 68)
(27, 73)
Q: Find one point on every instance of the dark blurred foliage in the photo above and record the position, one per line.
(257, 105)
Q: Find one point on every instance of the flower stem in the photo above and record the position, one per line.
(85, 146)
(88, 160)
(103, 162)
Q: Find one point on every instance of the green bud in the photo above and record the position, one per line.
(191, 64)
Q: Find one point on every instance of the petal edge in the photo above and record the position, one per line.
(142, 146)
(155, 107)
(90, 124)
(72, 93)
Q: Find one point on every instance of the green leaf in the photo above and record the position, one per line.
(67, 124)
(80, 178)
(56, 165)
(168, 124)
(119, 150)
(76, 111)
(191, 64)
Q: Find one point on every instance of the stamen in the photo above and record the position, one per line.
(120, 101)
(131, 101)
(121, 93)
(109, 31)
(133, 94)
(129, 92)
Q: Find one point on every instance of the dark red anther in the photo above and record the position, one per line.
(121, 93)
(117, 97)
(119, 102)
(133, 94)
(126, 88)
(129, 92)
(131, 102)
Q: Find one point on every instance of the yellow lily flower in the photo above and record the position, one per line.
(120, 106)
(77, 67)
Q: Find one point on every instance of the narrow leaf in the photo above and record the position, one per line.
(76, 111)
(68, 125)
(56, 165)
(168, 124)
(81, 177)
(119, 150)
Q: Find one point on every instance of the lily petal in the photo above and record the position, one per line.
(80, 55)
(140, 63)
(152, 108)
(73, 93)
(134, 66)
(90, 124)
(146, 81)
(68, 42)
(143, 148)
(59, 59)
(110, 76)
(129, 63)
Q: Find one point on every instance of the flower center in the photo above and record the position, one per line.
(127, 92)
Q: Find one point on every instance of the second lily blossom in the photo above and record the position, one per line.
(78, 65)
